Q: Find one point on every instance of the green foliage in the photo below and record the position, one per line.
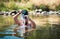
(11, 6)
(28, 6)
(33, 7)
(2, 6)
(8, 6)
(58, 8)
(4, 0)
(14, 7)
(44, 7)
(26, 0)
(19, 0)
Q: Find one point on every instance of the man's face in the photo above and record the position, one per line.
(26, 18)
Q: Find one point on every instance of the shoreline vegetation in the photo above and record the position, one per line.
(16, 5)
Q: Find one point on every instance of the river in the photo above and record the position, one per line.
(7, 34)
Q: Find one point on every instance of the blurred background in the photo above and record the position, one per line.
(7, 5)
(45, 13)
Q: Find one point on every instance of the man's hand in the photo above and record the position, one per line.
(15, 16)
(32, 24)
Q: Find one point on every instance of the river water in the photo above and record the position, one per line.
(7, 34)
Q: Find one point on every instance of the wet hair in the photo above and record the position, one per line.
(25, 12)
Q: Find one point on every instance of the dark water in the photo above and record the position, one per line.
(7, 34)
(52, 32)
(42, 33)
(10, 37)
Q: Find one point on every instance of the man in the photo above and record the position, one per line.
(23, 24)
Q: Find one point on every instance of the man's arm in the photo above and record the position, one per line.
(33, 24)
(16, 20)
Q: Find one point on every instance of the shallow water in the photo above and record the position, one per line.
(52, 32)
(10, 37)
(7, 34)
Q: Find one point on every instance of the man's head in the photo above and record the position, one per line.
(24, 12)
(25, 16)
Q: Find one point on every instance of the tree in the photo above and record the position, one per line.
(2, 6)
(58, 7)
(44, 7)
